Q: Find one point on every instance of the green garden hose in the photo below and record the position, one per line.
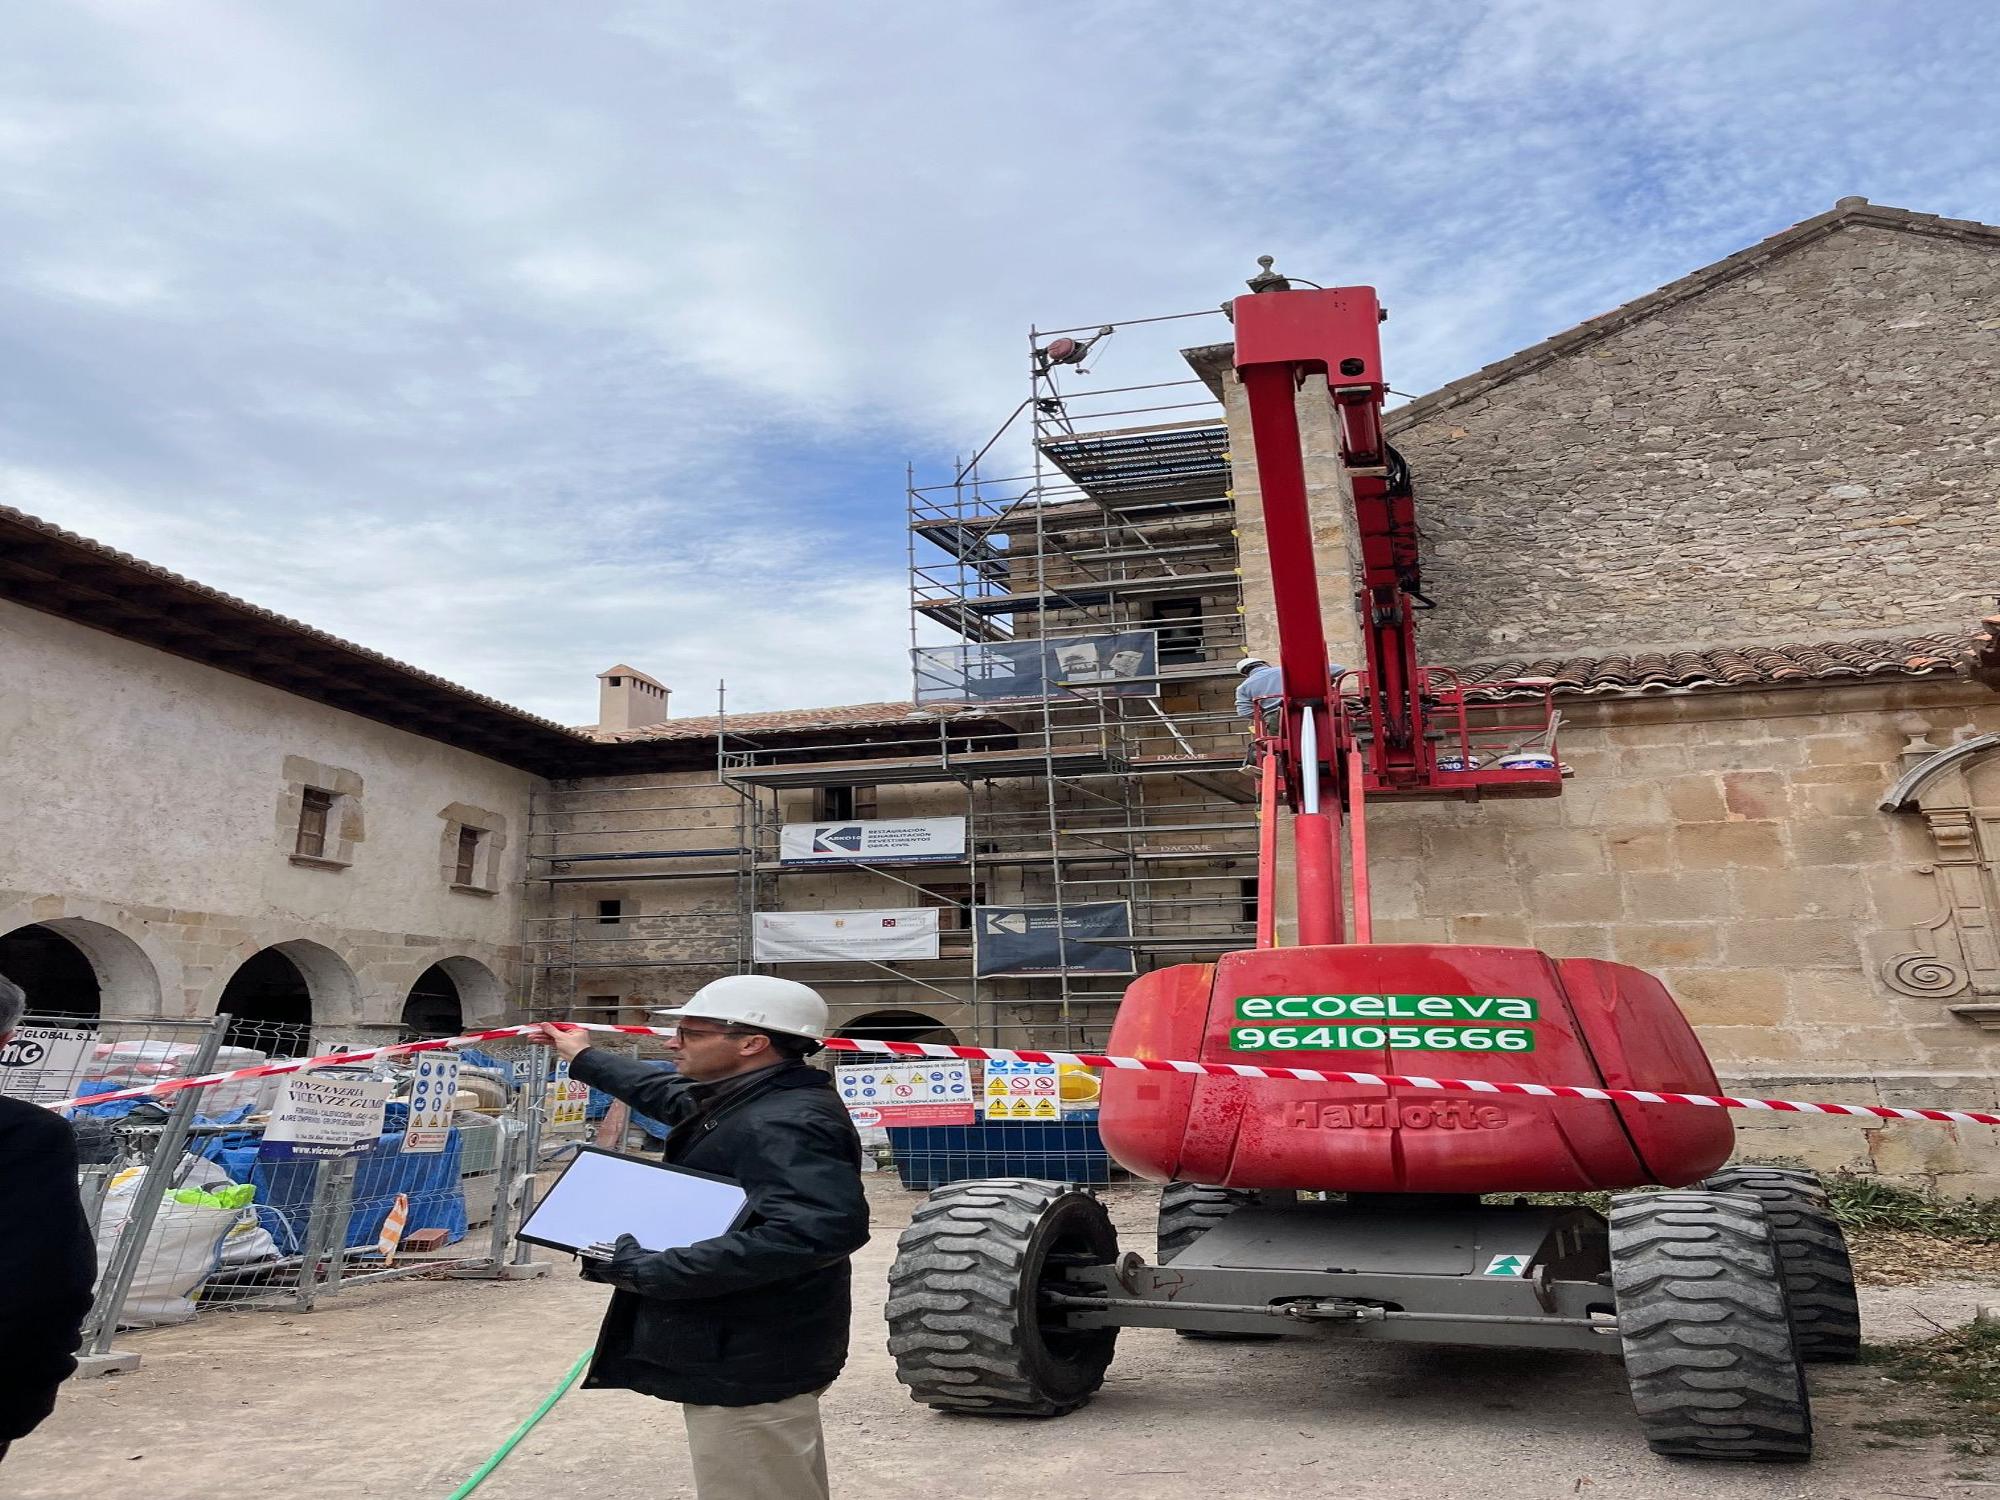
(479, 1475)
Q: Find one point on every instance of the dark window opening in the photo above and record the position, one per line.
(1248, 888)
(315, 808)
(609, 912)
(468, 855)
(1179, 623)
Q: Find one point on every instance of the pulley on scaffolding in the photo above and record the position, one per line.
(1069, 351)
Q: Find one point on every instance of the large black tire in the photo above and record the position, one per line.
(965, 1322)
(1188, 1211)
(1812, 1253)
(1709, 1353)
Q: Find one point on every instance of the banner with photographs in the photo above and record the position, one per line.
(1031, 940)
(844, 936)
(1117, 665)
(908, 842)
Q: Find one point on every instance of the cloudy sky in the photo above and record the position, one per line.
(514, 339)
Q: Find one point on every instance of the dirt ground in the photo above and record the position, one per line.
(401, 1391)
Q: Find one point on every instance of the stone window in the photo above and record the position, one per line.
(833, 804)
(315, 807)
(610, 913)
(319, 814)
(954, 902)
(470, 848)
(1952, 952)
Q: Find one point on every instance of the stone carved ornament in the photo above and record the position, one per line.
(1956, 951)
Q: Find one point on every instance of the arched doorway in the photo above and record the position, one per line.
(433, 1007)
(72, 966)
(54, 971)
(281, 993)
(268, 1003)
(900, 1026)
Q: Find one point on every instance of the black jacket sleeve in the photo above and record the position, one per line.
(47, 1263)
(651, 1091)
(807, 1210)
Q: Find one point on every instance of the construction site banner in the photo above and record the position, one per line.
(1038, 940)
(911, 841)
(844, 936)
(1118, 665)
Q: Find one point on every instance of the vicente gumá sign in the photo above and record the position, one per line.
(1418, 1023)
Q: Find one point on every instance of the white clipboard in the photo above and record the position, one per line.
(603, 1194)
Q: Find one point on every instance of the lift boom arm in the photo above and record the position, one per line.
(1383, 739)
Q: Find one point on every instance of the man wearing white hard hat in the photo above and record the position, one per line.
(747, 1329)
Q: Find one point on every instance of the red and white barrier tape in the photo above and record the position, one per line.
(1096, 1060)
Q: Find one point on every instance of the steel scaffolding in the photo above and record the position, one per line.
(1112, 516)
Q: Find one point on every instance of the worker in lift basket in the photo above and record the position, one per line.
(745, 1330)
(1259, 679)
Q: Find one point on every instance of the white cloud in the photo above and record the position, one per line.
(516, 340)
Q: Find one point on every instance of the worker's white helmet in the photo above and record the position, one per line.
(1250, 664)
(760, 1000)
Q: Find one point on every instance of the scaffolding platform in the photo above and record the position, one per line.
(969, 765)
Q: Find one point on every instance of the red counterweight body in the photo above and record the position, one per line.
(1594, 1023)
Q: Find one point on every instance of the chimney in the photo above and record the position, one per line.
(629, 699)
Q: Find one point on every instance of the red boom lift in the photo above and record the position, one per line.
(1337, 1211)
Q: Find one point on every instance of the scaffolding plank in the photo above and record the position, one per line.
(969, 765)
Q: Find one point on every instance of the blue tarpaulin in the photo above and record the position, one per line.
(285, 1188)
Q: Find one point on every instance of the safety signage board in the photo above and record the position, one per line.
(1023, 1091)
(910, 841)
(1507, 1265)
(569, 1098)
(897, 1093)
(317, 1116)
(433, 1087)
(41, 1063)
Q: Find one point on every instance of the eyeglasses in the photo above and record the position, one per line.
(684, 1033)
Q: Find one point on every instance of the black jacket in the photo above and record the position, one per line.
(47, 1263)
(759, 1314)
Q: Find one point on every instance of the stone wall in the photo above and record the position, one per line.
(1807, 451)
(1732, 844)
(150, 813)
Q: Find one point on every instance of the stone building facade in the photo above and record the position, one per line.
(1746, 524)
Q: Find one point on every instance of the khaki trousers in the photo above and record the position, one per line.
(771, 1452)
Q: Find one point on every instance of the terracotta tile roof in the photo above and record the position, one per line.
(1726, 667)
(1981, 661)
(780, 721)
(56, 571)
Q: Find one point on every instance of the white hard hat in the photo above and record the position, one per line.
(760, 1000)
(1250, 664)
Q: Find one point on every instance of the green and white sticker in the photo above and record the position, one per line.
(1269, 1008)
(1375, 1038)
(1349, 1023)
(1508, 1265)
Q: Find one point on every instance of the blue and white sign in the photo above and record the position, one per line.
(910, 841)
(432, 1090)
(321, 1116)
